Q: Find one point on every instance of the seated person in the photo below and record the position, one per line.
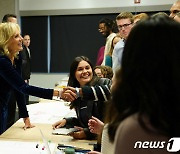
(81, 76)
(103, 71)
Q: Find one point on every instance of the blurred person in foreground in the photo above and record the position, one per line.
(145, 104)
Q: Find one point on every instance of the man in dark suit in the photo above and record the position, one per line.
(26, 57)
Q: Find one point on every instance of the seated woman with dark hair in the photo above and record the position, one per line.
(87, 103)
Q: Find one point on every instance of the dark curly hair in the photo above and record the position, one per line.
(109, 23)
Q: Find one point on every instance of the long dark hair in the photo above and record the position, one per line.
(73, 82)
(149, 80)
(72, 79)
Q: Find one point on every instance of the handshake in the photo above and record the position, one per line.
(69, 94)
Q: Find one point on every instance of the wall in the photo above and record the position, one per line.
(8, 7)
(70, 7)
(45, 80)
(58, 7)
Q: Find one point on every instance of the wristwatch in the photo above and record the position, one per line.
(77, 92)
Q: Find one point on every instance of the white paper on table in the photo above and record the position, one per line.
(9, 147)
(49, 113)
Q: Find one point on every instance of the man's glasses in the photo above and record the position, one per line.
(101, 29)
(123, 26)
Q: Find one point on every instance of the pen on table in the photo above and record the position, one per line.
(37, 145)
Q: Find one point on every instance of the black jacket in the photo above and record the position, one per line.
(26, 68)
(89, 106)
(11, 80)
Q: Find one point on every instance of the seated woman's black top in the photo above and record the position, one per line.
(91, 104)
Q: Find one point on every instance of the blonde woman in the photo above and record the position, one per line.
(10, 78)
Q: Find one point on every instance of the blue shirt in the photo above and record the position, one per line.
(117, 55)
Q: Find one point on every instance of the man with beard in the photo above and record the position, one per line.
(106, 28)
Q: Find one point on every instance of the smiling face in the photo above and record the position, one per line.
(104, 30)
(83, 73)
(15, 43)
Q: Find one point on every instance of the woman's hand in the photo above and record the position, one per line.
(59, 124)
(73, 90)
(95, 125)
(27, 123)
(94, 152)
(70, 88)
(68, 95)
(80, 134)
